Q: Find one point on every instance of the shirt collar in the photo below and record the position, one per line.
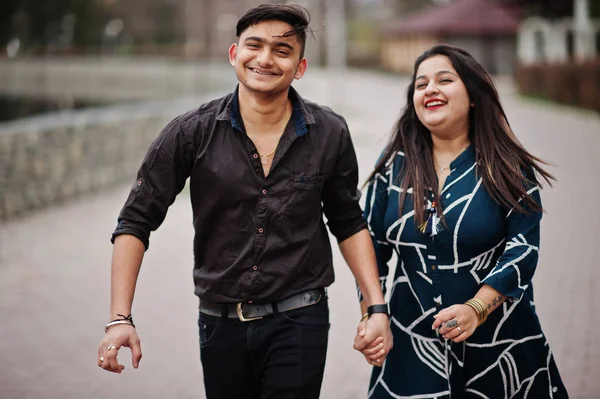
(467, 157)
(300, 119)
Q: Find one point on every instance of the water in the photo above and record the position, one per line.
(15, 107)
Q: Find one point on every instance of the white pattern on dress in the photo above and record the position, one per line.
(433, 352)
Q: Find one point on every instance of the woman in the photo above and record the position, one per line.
(461, 306)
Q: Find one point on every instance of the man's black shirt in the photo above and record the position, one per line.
(257, 238)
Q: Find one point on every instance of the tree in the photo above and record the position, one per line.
(595, 8)
(39, 24)
(8, 9)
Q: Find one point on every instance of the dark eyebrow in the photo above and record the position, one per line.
(438, 73)
(273, 43)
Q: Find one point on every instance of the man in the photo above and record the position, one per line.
(264, 165)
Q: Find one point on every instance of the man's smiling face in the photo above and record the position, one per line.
(266, 60)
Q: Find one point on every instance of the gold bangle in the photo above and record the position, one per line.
(477, 306)
(364, 317)
(480, 309)
(483, 307)
(477, 310)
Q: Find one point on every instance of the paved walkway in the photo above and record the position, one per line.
(54, 268)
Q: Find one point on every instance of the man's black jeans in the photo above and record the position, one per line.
(281, 356)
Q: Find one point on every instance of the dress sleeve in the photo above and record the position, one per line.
(515, 268)
(374, 214)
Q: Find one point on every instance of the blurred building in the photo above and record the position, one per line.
(198, 28)
(149, 25)
(576, 37)
(484, 28)
(210, 25)
(559, 58)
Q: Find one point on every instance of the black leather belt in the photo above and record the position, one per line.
(251, 311)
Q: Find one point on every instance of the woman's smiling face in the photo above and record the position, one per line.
(440, 98)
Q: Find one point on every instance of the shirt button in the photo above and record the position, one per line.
(260, 230)
(255, 156)
(254, 267)
(264, 192)
(433, 267)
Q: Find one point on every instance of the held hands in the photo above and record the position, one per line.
(374, 339)
(116, 337)
(457, 322)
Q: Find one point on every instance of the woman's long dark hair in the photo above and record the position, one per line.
(501, 159)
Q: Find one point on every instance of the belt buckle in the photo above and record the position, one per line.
(241, 314)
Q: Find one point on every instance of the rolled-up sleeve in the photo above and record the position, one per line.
(160, 178)
(516, 266)
(341, 194)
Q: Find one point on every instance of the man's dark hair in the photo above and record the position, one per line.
(296, 16)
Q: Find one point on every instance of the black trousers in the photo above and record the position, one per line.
(281, 356)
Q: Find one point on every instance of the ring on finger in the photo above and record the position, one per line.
(459, 330)
(451, 323)
(111, 346)
(101, 358)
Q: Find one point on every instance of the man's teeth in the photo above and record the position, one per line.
(262, 73)
(434, 104)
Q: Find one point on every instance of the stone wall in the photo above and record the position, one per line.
(49, 159)
(109, 79)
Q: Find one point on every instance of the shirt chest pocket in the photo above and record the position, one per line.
(303, 198)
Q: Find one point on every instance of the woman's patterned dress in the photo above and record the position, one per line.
(482, 243)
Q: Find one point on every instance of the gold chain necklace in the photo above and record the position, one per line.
(264, 159)
(441, 168)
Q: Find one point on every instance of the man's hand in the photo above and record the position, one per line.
(374, 339)
(114, 339)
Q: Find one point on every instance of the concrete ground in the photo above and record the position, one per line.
(55, 267)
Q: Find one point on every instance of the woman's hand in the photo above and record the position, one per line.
(457, 322)
(373, 342)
